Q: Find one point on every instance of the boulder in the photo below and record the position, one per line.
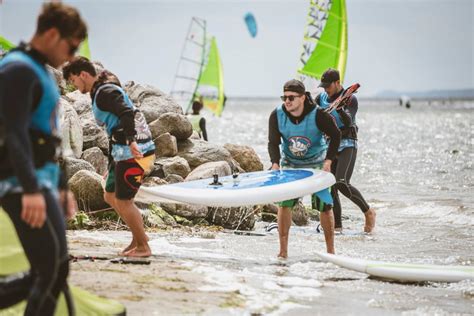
(73, 165)
(71, 128)
(245, 156)
(242, 218)
(299, 214)
(87, 188)
(166, 145)
(208, 169)
(173, 165)
(198, 152)
(175, 124)
(81, 102)
(96, 158)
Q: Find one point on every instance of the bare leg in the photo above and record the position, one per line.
(111, 200)
(327, 222)
(369, 220)
(132, 217)
(284, 223)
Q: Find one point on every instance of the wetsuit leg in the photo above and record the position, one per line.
(345, 166)
(335, 196)
(46, 250)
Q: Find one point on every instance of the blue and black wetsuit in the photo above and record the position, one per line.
(28, 164)
(343, 165)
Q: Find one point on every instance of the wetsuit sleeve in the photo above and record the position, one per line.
(274, 138)
(318, 99)
(326, 124)
(111, 100)
(202, 125)
(19, 93)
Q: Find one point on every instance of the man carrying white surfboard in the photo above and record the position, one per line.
(299, 126)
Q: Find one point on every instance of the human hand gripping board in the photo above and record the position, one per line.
(253, 188)
(344, 98)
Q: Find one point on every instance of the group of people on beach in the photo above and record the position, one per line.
(33, 189)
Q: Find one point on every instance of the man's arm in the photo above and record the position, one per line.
(326, 124)
(348, 112)
(111, 100)
(202, 126)
(274, 140)
(20, 89)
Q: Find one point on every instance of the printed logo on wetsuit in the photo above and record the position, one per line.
(299, 145)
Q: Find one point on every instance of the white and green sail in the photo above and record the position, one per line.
(325, 39)
(84, 49)
(199, 74)
(211, 81)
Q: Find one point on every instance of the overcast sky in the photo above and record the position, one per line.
(409, 45)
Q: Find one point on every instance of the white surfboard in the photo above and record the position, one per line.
(251, 188)
(405, 272)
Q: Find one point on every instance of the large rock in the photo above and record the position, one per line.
(58, 75)
(242, 218)
(174, 165)
(96, 158)
(198, 152)
(152, 102)
(73, 165)
(175, 124)
(71, 128)
(81, 102)
(207, 170)
(185, 210)
(93, 134)
(87, 189)
(166, 145)
(299, 215)
(245, 156)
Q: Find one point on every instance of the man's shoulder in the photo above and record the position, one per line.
(17, 71)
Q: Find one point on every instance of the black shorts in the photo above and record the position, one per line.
(124, 178)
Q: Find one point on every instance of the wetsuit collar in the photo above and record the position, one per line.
(35, 54)
(296, 120)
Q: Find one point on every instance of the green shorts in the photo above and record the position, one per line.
(321, 201)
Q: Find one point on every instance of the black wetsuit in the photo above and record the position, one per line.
(343, 165)
(45, 247)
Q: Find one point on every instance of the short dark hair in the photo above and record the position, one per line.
(197, 106)
(62, 17)
(76, 65)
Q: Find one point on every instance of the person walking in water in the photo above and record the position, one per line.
(343, 165)
(196, 119)
(299, 126)
(132, 147)
(31, 192)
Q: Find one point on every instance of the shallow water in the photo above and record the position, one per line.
(415, 167)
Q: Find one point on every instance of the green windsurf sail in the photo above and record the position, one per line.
(325, 39)
(13, 260)
(5, 45)
(211, 81)
(84, 49)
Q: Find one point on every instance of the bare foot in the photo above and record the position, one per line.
(132, 245)
(369, 220)
(338, 230)
(140, 252)
(282, 255)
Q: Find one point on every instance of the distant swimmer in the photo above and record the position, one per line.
(298, 128)
(343, 165)
(196, 119)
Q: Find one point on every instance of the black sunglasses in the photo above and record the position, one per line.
(72, 48)
(289, 97)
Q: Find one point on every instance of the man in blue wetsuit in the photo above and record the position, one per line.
(29, 172)
(343, 164)
(299, 126)
(132, 149)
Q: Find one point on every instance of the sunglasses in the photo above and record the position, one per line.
(72, 48)
(289, 97)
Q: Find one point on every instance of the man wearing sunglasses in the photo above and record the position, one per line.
(299, 126)
(343, 165)
(30, 191)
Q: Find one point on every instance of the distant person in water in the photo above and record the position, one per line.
(196, 119)
(132, 148)
(405, 101)
(343, 165)
(297, 127)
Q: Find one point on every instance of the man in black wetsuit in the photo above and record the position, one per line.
(29, 172)
(300, 127)
(343, 165)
